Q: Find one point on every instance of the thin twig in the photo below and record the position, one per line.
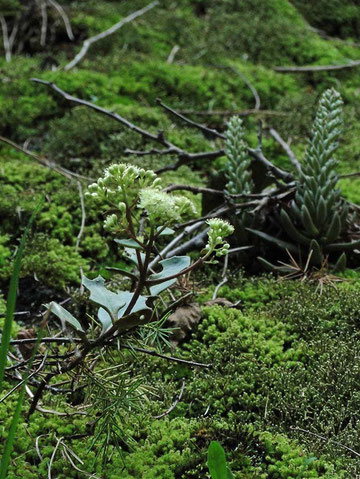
(23, 380)
(172, 54)
(208, 131)
(83, 217)
(286, 147)
(53, 166)
(6, 42)
(248, 112)
(151, 352)
(184, 157)
(100, 36)
(44, 22)
(65, 18)
(325, 439)
(211, 191)
(53, 456)
(175, 403)
(224, 277)
(317, 68)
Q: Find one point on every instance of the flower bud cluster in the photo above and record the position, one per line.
(163, 208)
(122, 181)
(218, 230)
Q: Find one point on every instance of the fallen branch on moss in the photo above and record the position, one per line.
(317, 68)
(100, 36)
(184, 157)
(70, 175)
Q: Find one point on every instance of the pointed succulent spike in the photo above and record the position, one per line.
(307, 221)
(341, 263)
(271, 267)
(316, 253)
(343, 246)
(272, 239)
(290, 229)
(334, 229)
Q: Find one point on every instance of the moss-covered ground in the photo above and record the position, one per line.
(283, 396)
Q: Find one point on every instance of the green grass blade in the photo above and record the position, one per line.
(11, 299)
(9, 444)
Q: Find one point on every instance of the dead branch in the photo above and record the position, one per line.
(175, 403)
(207, 131)
(70, 175)
(200, 190)
(316, 68)
(324, 439)
(172, 54)
(6, 42)
(64, 17)
(100, 36)
(248, 112)
(44, 22)
(184, 157)
(224, 278)
(83, 217)
(286, 147)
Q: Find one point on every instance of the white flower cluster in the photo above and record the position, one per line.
(218, 230)
(163, 208)
(124, 184)
(121, 181)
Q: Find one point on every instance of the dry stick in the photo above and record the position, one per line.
(53, 166)
(350, 175)
(5, 33)
(286, 148)
(184, 157)
(317, 68)
(172, 54)
(224, 277)
(204, 129)
(175, 403)
(89, 41)
(67, 455)
(248, 112)
(151, 352)
(23, 380)
(251, 86)
(333, 39)
(65, 18)
(44, 22)
(14, 32)
(324, 439)
(53, 456)
(83, 217)
(200, 189)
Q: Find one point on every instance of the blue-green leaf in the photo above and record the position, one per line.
(112, 302)
(130, 253)
(166, 231)
(125, 297)
(170, 267)
(64, 315)
(128, 243)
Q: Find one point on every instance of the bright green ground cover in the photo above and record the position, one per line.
(288, 358)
